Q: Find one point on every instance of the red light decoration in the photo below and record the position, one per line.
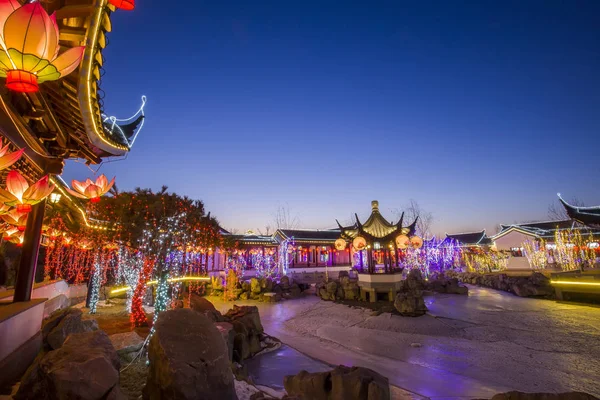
(126, 5)
(23, 208)
(21, 81)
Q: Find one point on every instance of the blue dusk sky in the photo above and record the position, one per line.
(481, 111)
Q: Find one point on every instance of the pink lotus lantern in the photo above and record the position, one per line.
(16, 219)
(29, 47)
(19, 193)
(6, 160)
(91, 190)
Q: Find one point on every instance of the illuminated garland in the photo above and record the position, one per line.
(283, 255)
(536, 254)
(95, 285)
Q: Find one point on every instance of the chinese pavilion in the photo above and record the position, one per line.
(375, 243)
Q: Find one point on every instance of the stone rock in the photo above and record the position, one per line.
(266, 284)
(125, 343)
(244, 296)
(90, 325)
(254, 344)
(246, 286)
(59, 302)
(285, 282)
(188, 359)
(544, 396)
(237, 293)
(305, 386)
(342, 383)
(85, 367)
(247, 315)
(409, 300)
(339, 294)
(277, 289)
(199, 303)
(241, 347)
(255, 285)
(271, 297)
(228, 334)
(331, 287)
(295, 291)
(178, 304)
(343, 274)
(214, 316)
(68, 323)
(351, 293)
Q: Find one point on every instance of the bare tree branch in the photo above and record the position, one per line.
(413, 210)
(283, 218)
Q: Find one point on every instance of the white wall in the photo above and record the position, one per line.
(510, 240)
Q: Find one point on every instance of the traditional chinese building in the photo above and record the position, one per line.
(469, 240)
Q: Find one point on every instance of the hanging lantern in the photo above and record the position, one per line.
(416, 242)
(290, 249)
(340, 244)
(29, 51)
(359, 243)
(91, 190)
(19, 193)
(6, 160)
(16, 219)
(126, 5)
(402, 242)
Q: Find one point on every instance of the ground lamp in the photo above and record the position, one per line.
(29, 44)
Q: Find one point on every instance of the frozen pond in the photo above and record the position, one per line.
(270, 368)
(467, 346)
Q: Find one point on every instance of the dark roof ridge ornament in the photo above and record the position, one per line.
(399, 224)
(358, 224)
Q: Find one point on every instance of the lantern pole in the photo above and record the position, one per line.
(29, 254)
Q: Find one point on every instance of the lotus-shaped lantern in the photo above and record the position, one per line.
(19, 193)
(91, 190)
(6, 160)
(402, 242)
(14, 235)
(16, 219)
(29, 47)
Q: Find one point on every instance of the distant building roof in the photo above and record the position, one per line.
(471, 238)
(308, 235)
(585, 215)
(547, 229)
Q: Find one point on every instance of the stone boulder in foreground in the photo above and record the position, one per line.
(188, 359)
(342, 383)
(85, 367)
(409, 300)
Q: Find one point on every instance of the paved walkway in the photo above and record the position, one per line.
(467, 347)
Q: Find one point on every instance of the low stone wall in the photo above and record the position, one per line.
(534, 285)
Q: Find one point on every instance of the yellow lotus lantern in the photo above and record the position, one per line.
(14, 236)
(19, 193)
(91, 190)
(416, 242)
(340, 244)
(4, 209)
(359, 243)
(402, 242)
(29, 47)
(6, 160)
(16, 219)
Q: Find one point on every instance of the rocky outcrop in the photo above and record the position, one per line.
(63, 323)
(188, 359)
(345, 288)
(256, 288)
(127, 344)
(248, 331)
(86, 366)
(440, 283)
(200, 304)
(544, 396)
(534, 285)
(342, 383)
(409, 300)
(228, 334)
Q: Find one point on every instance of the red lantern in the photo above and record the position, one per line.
(21, 81)
(23, 208)
(126, 5)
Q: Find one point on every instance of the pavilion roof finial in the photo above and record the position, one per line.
(375, 205)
